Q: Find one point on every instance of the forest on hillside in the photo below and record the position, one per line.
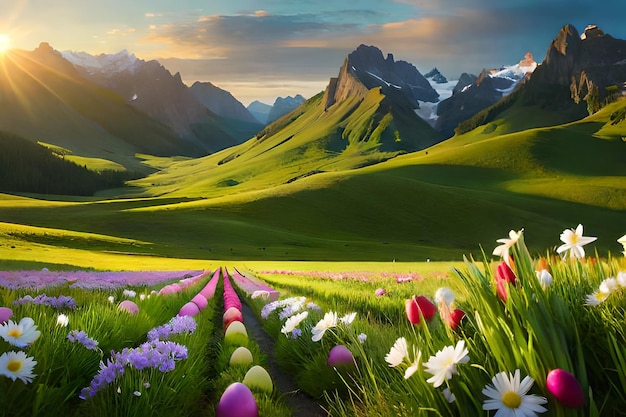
(31, 168)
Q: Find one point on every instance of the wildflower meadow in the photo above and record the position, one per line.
(512, 334)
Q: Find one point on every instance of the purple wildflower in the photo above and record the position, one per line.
(177, 325)
(154, 354)
(296, 333)
(82, 338)
(62, 301)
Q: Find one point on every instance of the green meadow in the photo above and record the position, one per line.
(285, 196)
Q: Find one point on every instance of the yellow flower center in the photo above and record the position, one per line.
(601, 296)
(14, 366)
(511, 399)
(15, 332)
(574, 238)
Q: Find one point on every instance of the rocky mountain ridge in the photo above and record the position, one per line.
(366, 68)
(152, 89)
(579, 74)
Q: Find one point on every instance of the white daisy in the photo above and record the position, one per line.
(509, 396)
(608, 285)
(573, 240)
(293, 322)
(399, 351)
(348, 318)
(20, 334)
(503, 249)
(62, 320)
(596, 298)
(443, 365)
(16, 365)
(329, 321)
(621, 279)
(415, 365)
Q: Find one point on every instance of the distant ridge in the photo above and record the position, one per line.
(259, 110)
(284, 105)
(151, 88)
(44, 98)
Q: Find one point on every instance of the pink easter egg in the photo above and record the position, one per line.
(128, 306)
(189, 309)
(5, 314)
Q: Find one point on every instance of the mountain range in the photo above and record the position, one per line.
(385, 159)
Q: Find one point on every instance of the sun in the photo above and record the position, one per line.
(5, 43)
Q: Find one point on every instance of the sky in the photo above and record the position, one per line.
(261, 49)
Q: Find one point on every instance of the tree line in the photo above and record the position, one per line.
(29, 167)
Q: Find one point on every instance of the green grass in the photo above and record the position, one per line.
(440, 204)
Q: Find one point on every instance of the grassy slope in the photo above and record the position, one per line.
(315, 140)
(45, 103)
(438, 204)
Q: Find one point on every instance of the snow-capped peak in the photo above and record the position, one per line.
(518, 71)
(109, 63)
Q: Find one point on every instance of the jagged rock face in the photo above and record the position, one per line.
(436, 76)
(472, 98)
(366, 68)
(473, 94)
(465, 80)
(578, 62)
(221, 102)
(284, 105)
(152, 89)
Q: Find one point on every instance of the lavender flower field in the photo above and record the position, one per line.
(524, 334)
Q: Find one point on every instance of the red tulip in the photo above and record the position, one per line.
(504, 272)
(419, 305)
(565, 388)
(502, 290)
(455, 317)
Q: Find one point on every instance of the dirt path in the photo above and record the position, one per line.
(301, 404)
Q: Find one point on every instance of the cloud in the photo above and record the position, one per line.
(454, 35)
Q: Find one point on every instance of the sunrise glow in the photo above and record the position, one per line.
(5, 43)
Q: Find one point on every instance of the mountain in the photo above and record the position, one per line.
(396, 79)
(579, 74)
(152, 89)
(473, 94)
(284, 105)
(44, 98)
(221, 102)
(436, 76)
(347, 126)
(259, 110)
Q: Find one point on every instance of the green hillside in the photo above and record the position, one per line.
(439, 203)
(43, 98)
(310, 141)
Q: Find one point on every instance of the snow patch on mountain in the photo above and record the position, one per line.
(428, 110)
(103, 63)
